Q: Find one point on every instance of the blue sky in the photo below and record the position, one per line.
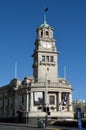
(18, 22)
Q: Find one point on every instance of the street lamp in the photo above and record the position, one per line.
(46, 98)
(27, 104)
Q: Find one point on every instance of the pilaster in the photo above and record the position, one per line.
(59, 102)
(70, 101)
(31, 101)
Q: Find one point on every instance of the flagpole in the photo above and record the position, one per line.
(45, 18)
(65, 72)
(16, 69)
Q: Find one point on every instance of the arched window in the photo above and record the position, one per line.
(41, 33)
(47, 33)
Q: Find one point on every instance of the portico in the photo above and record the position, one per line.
(59, 99)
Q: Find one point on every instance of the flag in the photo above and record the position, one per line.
(46, 9)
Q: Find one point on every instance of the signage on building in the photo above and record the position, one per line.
(79, 119)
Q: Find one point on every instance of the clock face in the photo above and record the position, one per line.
(46, 45)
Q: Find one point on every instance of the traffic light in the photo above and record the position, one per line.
(46, 109)
(48, 113)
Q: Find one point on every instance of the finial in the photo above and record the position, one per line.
(45, 10)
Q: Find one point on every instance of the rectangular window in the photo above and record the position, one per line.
(43, 58)
(47, 58)
(65, 98)
(52, 100)
(51, 58)
(38, 98)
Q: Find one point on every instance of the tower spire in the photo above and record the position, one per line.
(45, 10)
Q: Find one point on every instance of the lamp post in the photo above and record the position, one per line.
(46, 98)
(27, 104)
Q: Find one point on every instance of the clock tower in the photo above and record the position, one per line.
(45, 55)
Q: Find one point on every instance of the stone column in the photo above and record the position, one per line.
(59, 102)
(27, 106)
(27, 101)
(31, 101)
(70, 101)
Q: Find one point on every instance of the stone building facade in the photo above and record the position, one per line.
(44, 92)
